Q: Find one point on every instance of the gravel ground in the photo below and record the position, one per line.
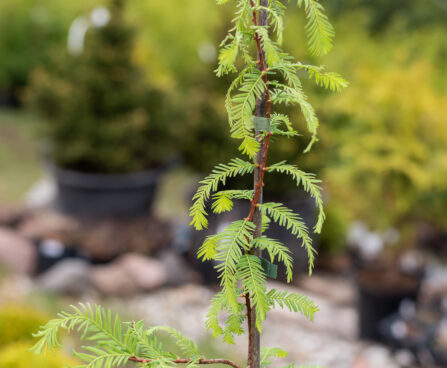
(330, 341)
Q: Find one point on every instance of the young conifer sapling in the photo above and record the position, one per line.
(266, 77)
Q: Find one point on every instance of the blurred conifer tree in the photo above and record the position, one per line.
(101, 114)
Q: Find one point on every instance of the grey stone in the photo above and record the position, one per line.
(129, 274)
(375, 356)
(340, 292)
(147, 273)
(10, 215)
(49, 224)
(70, 276)
(17, 254)
(111, 280)
(177, 269)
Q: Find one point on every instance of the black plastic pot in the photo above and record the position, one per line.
(106, 195)
(8, 98)
(376, 302)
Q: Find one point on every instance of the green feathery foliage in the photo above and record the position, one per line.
(293, 302)
(210, 184)
(310, 185)
(114, 342)
(231, 244)
(329, 80)
(291, 221)
(276, 250)
(319, 31)
(253, 278)
(223, 199)
(241, 110)
(268, 353)
(268, 76)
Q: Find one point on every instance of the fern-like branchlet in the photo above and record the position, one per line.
(291, 221)
(114, 342)
(319, 31)
(210, 184)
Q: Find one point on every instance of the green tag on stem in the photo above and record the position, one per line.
(270, 269)
(261, 124)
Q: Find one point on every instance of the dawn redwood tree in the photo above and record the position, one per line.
(266, 77)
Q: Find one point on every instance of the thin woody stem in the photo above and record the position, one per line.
(261, 61)
(268, 112)
(263, 109)
(186, 361)
(260, 183)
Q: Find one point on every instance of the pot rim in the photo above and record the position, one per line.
(85, 180)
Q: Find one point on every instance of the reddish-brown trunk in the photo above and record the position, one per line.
(262, 109)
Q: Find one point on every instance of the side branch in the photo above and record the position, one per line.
(185, 361)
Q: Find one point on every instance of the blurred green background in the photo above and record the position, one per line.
(382, 154)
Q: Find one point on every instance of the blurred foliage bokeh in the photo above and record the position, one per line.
(384, 139)
(383, 142)
(28, 31)
(17, 355)
(19, 323)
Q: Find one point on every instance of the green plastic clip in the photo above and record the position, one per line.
(261, 124)
(270, 269)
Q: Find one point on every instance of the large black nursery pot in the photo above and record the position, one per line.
(380, 293)
(109, 195)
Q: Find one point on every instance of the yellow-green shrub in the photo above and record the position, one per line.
(17, 356)
(388, 138)
(19, 323)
